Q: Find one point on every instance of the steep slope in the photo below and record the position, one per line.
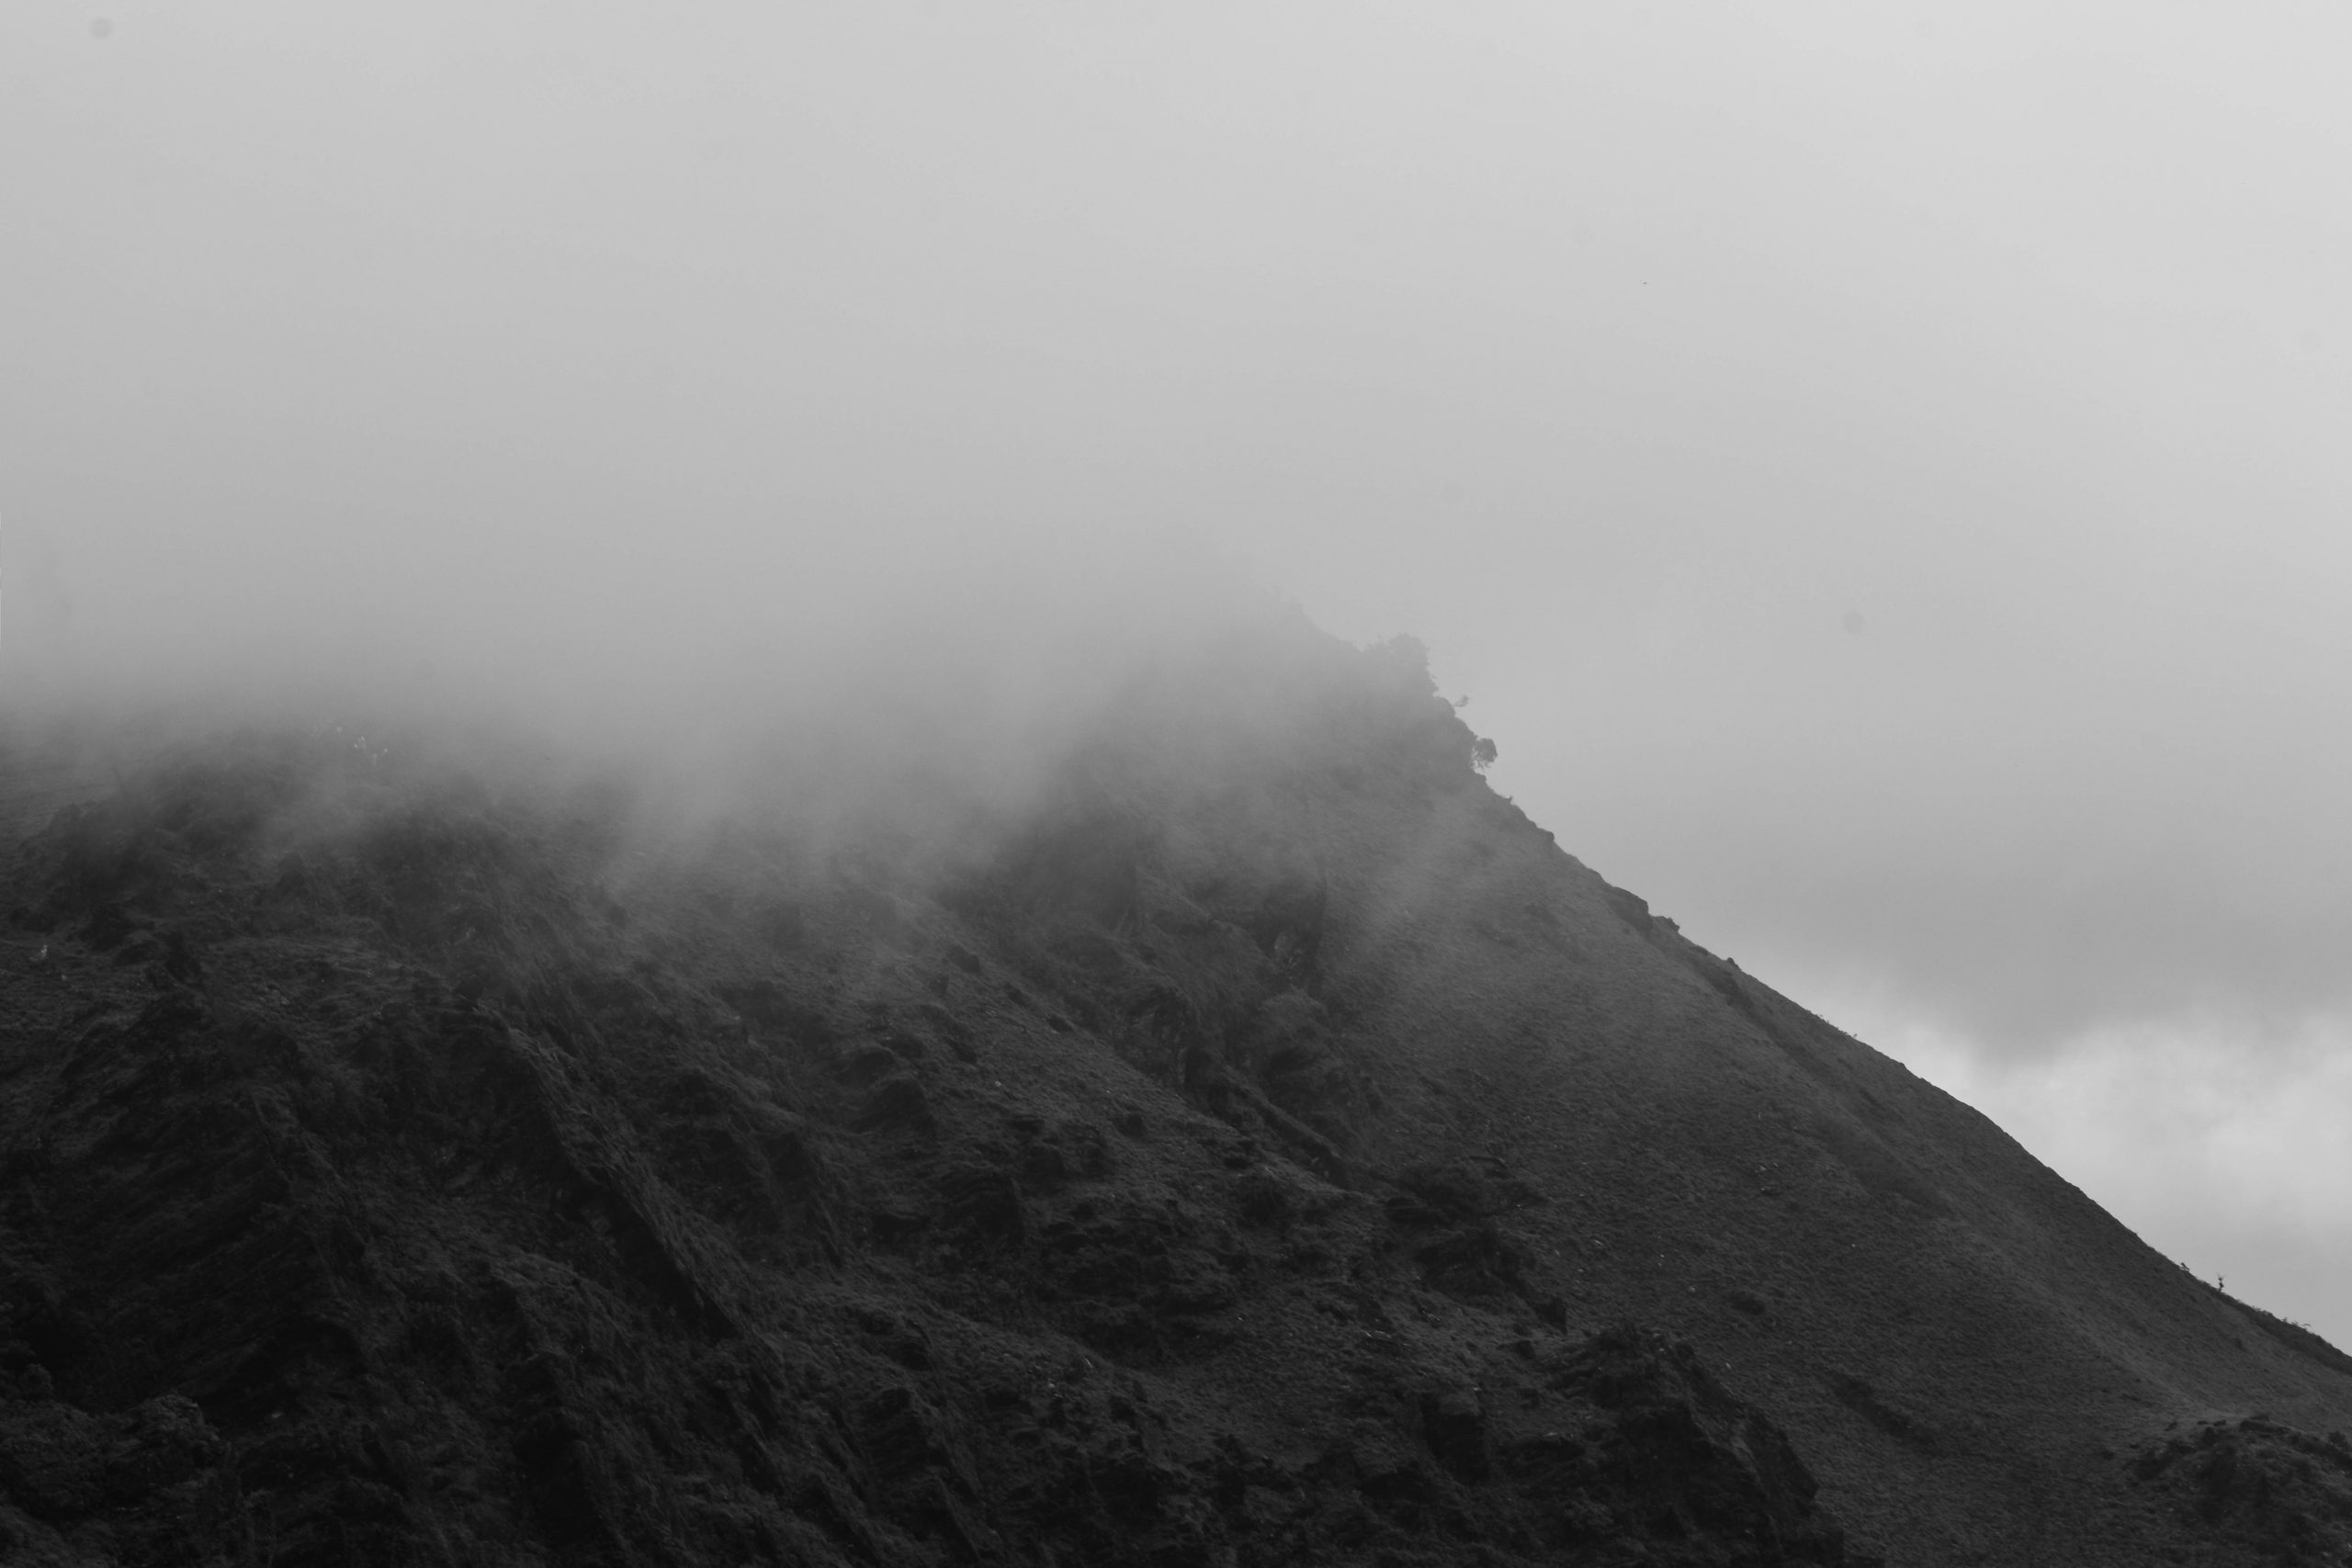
(1961, 1342)
(1266, 1147)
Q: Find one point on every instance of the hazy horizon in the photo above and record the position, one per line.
(1875, 470)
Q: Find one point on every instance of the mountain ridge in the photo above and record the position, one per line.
(1262, 1144)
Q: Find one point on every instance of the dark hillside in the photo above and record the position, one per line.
(1267, 1147)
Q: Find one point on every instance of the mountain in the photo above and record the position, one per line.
(1250, 1141)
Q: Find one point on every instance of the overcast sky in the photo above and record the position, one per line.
(1878, 470)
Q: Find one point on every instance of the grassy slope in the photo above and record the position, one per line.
(1963, 1342)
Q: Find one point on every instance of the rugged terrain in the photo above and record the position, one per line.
(1261, 1146)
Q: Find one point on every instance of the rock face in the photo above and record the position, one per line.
(1266, 1148)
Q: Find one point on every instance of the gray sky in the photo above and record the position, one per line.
(1878, 470)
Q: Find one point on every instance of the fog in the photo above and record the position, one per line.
(1876, 469)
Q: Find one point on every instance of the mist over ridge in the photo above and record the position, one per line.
(852, 1135)
(618, 495)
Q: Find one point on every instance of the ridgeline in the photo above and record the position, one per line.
(1261, 1145)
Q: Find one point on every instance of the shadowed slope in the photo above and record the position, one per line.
(1266, 1147)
